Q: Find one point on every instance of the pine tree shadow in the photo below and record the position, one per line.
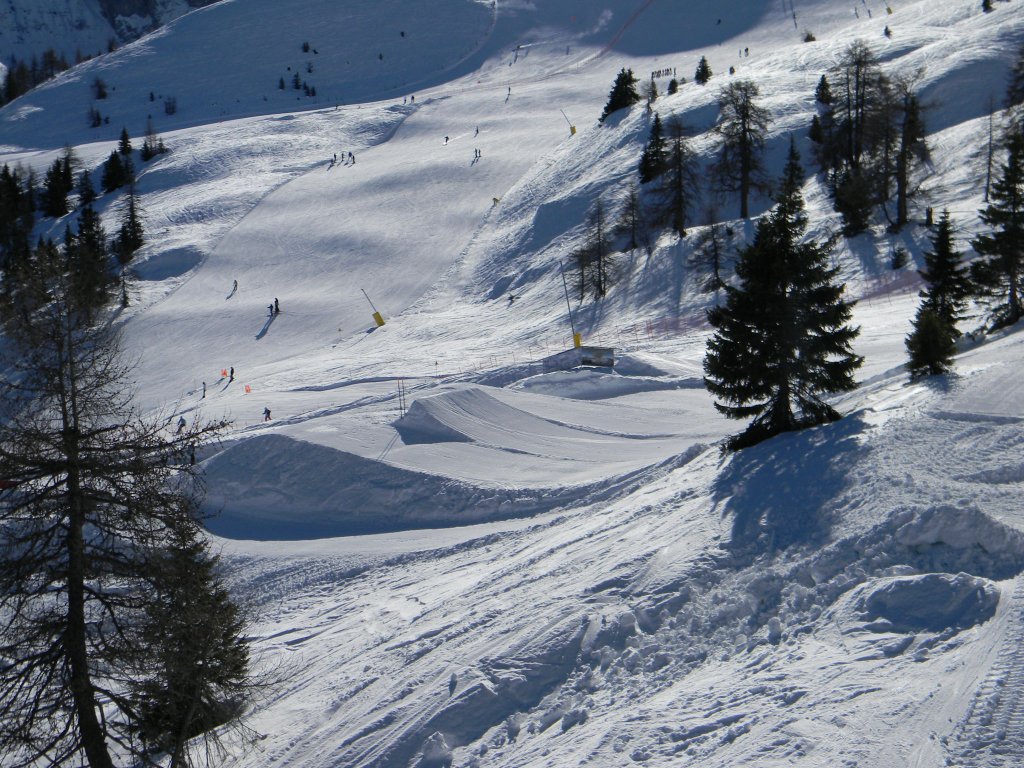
(781, 493)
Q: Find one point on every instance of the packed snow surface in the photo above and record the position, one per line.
(456, 554)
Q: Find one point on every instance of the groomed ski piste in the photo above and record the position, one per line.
(456, 555)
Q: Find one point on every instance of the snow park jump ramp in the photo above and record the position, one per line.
(294, 484)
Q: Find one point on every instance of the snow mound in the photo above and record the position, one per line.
(929, 602)
(276, 487)
(961, 529)
(594, 384)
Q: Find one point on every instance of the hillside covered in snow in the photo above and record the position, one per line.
(459, 553)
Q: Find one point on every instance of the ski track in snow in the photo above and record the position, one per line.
(991, 733)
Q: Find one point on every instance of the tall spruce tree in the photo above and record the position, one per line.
(622, 95)
(201, 669)
(930, 345)
(654, 156)
(997, 275)
(88, 267)
(703, 72)
(933, 341)
(782, 338)
(114, 175)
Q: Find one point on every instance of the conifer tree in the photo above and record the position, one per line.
(114, 175)
(677, 185)
(98, 487)
(948, 284)
(124, 143)
(88, 266)
(997, 275)
(823, 92)
(55, 191)
(703, 73)
(933, 341)
(782, 338)
(654, 156)
(86, 191)
(742, 127)
(622, 95)
(930, 346)
(201, 668)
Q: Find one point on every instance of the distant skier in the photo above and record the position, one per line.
(234, 286)
(231, 375)
(351, 158)
(477, 131)
(277, 307)
(266, 414)
(445, 139)
(204, 389)
(181, 425)
(270, 309)
(511, 299)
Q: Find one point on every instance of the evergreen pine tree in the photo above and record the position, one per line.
(87, 261)
(930, 345)
(55, 191)
(997, 275)
(86, 191)
(654, 156)
(933, 341)
(947, 282)
(781, 338)
(703, 73)
(201, 665)
(130, 235)
(124, 144)
(113, 176)
(673, 86)
(622, 95)
(823, 92)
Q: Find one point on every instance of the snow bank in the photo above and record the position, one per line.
(929, 602)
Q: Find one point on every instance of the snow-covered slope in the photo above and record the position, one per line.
(86, 27)
(459, 556)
